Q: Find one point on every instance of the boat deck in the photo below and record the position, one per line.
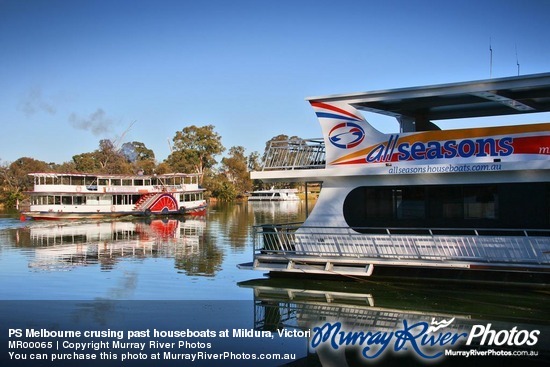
(322, 250)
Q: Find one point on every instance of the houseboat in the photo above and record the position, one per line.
(79, 195)
(274, 195)
(474, 200)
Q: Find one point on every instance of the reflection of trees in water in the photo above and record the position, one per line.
(230, 221)
(234, 221)
(205, 260)
(198, 246)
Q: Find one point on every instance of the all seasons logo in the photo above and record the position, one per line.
(394, 150)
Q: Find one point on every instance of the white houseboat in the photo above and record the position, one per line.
(475, 199)
(274, 195)
(73, 196)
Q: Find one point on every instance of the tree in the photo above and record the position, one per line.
(194, 149)
(254, 164)
(235, 168)
(136, 151)
(86, 162)
(15, 178)
(219, 187)
(111, 158)
(141, 157)
(106, 159)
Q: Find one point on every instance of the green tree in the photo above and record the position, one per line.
(195, 149)
(141, 157)
(65, 167)
(235, 168)
(86, 162)
(111, 158)
(254, 164)
(219, 187)
(15, 179)
(106, 159)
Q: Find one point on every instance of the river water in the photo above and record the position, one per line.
(112, 275)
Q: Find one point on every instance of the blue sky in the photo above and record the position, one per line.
(74, 72)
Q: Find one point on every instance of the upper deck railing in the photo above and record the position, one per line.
(295, 154)
(81, 183)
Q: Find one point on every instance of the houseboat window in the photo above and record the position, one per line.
(409, 203)
(76, 180)
(92, 200)
(193, 196)
(115, 181)
(45, 180)
(126, 182)
(103, 181)
(67, 200)
(78, 200)
(505, 205)
(138, 182)
(480, 202)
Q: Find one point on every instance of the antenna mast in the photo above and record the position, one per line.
(490, 59)
(517, 59)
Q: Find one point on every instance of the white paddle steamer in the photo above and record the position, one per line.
(79, 195)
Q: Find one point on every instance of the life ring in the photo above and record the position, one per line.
(112, 208)
(78, 188)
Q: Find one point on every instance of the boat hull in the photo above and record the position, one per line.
(51, 215)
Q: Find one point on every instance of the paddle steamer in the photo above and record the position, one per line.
(80, 195)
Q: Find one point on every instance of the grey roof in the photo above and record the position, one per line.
(491, 97)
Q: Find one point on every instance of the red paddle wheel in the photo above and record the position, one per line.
(164, 204)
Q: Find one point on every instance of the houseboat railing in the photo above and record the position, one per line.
(294, 154)
(530, 247)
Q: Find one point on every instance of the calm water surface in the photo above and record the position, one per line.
(158, 259)
(196, 259)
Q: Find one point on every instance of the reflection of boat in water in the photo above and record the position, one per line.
(471, 202)
(274, 207)
(284, 303)
(67, 244)
(274, 195)
(77, 196)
